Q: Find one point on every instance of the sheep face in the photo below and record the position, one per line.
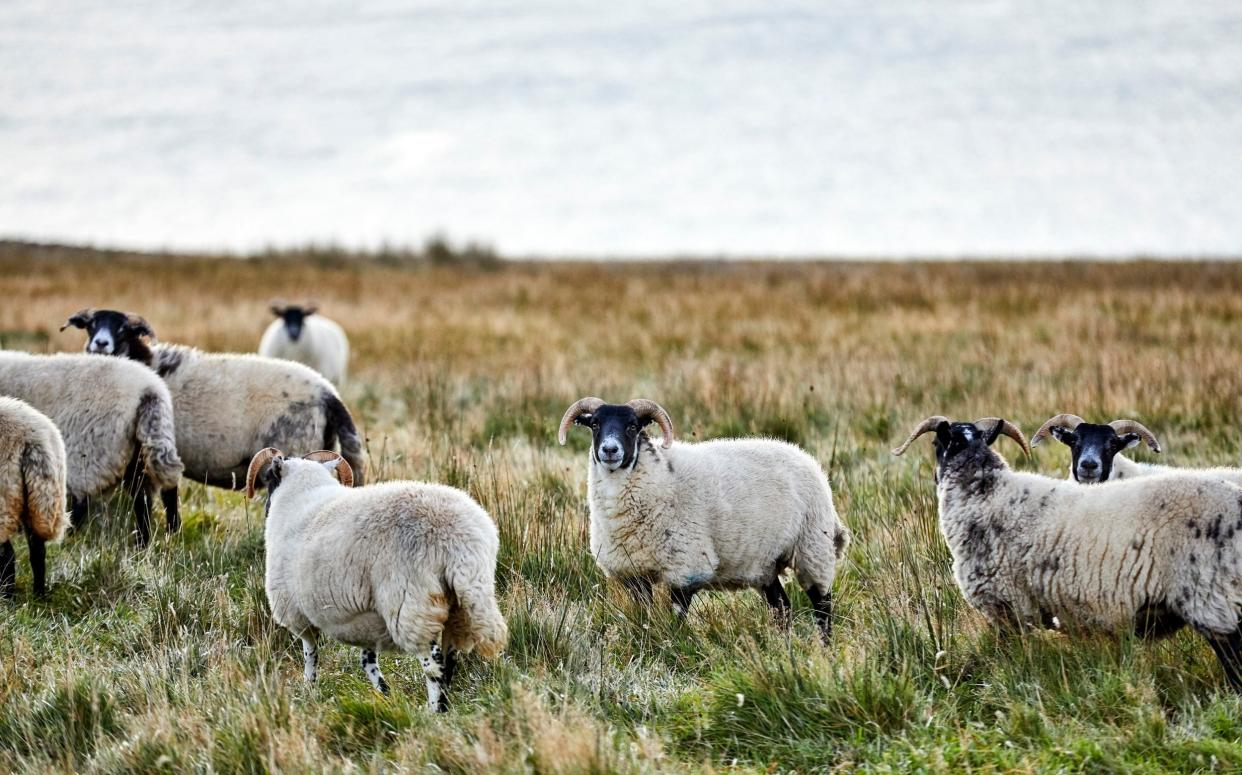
(955, 439)
(110, 332)
(1092, 449)
(615, 430)
(294, 317)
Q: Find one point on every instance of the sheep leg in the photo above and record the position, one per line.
(172, 508)
(1228, 649)
(8, 570)
(778, 602)
(821, 603)
(310, 656)
(38, 561)
(438, 668)
(78, 509)
(370, 666)
(639, 588)
(142, 515)
(681, 597)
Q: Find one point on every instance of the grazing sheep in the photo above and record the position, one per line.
(724, 514)
(1094, 450)
(301, 335)
(32, 489)
(229, 405)
(403, 565)
(116, 418)
(1152, 554)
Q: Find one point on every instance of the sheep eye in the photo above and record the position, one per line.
(595, 424)
(632, 429)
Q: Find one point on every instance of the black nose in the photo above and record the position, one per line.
(1089, 465)
(609, 449)
(100, 342)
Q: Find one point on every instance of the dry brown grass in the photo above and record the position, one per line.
(460, 374)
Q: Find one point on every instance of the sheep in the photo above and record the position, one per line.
(403, 565)
(1153, 554)
(723, 514)
(1094, 450)
(301, 335)
(116, 418)
(282, 403)
(32, 489)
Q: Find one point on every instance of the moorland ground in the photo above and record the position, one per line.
(167, 658)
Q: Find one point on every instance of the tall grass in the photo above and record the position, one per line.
(167, 658)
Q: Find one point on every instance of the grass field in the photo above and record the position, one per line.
(167, 658)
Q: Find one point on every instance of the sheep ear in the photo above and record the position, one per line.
(330, 465)
(277, 310)
(80, 319)
(584, 419)
(310, 309)
(140, 326)
(1128, 440)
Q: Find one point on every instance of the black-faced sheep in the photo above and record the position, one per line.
(300, 334)
(1150, 554)
(725, 514)
(229, 405)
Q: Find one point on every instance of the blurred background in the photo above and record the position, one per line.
(746, 129)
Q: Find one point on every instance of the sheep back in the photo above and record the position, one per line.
(96, 403)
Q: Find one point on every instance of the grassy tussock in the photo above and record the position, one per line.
(167, 659)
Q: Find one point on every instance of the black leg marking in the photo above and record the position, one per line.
(778, 602)
(142, 515)
(681, 600)
(1228, 649)
(639, 588)
(78, 511)
(437, 685)
(821, 601)
(172, 508)
(38, 561)
(8, 570)
(370, 666)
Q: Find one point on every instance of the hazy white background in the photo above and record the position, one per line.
(770, 128)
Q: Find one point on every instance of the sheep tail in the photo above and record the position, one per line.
(158, 441)
(840, 539)
(340, 428)
(43, 476)
(475, 622)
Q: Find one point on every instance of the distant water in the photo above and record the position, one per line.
(894, 127)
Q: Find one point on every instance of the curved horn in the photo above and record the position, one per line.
(577, 409)
(344, 474)
(1070, 421)
(927, 425)
(260, 459)
(1134, 426)
(647, 409)
(1007, 428)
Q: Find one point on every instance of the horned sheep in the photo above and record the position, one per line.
(1153, 554)
(229, 405)
(32, 489)
(300, 334)
(116, 419)
(723, 514)
(1095, 450)
(405, 565)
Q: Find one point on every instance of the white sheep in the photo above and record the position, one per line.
(1095, 450)
(116, 418)
(1153, 554)
(32, 489)
(405, 565)
(299, 334)
(229, 405)
(724, 514)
